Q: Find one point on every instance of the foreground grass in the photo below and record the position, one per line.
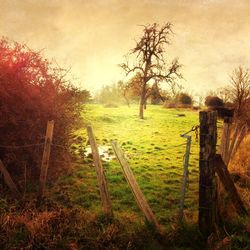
(155, 152)
(71, 218)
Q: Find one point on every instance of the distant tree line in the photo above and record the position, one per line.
(129, 93)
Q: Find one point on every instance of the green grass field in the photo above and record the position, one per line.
(71, 214)
(153, 149)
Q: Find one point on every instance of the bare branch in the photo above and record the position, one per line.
(150, 61)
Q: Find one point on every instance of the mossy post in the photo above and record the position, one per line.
(207, 181)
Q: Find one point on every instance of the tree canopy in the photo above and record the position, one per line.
(150, 63)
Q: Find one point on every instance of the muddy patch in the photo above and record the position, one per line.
(105, 152)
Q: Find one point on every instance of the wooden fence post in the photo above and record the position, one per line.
(8, 180)
(207, 181)
(139, 197)
(225, 138)
(185, 176)
(229, 146)
(232, 144)
(103, 187)
(45, 159)
(224, 175)
(241, 136)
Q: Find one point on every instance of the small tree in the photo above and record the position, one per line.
(131, 89)
(150, 61)
(185, 98)
(213, 101)
(225, 93)
(156, 94)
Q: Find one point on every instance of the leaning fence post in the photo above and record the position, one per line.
(185, 176)
(103, 187)
(207, 181)
(240, 137)
(224, 175)
(139, 197)
(45, 159)
(8, 180)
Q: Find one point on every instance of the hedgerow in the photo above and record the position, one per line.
(32, 92)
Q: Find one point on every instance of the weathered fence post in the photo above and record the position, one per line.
(207, 181)
(139, 197)
(8, 180)
(103, 187)
(229, 146)
(45, 159)
(225, 138)
(232, 144)
(241, 135)
(224, 175)
(185, 176)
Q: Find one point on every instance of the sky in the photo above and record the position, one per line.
(211, 37)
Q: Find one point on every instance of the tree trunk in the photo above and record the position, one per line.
(141, 111)
(142, 106)
(143, 100)
(127, 100)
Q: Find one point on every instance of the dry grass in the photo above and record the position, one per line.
(240, 167)
(55, 227)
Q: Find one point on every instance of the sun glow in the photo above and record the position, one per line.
(91, 38)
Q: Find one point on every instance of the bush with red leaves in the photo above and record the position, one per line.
(32, 92)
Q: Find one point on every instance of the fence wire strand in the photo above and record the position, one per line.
(21, 146)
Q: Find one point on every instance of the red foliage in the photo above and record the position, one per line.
(32, 92)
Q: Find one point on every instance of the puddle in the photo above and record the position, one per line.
(105, 152)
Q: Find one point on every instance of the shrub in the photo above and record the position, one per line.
(213, 101)
(32, 92)
(184, 98)
(170, 104)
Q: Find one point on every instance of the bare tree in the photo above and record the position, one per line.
(150, 61)
(240, 82)
(225, 93)
(175, 90)
(124, 89)
(240, 90)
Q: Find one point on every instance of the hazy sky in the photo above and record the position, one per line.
(211, 36)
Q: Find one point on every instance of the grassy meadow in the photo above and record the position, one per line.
(155, 151)
(70, 216)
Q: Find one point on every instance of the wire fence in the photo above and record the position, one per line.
(67, 148)
(185, 182)
(21, 146)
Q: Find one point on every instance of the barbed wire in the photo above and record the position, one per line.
(193, 129)
(60, 146)
(31, 145)
(21, 146)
